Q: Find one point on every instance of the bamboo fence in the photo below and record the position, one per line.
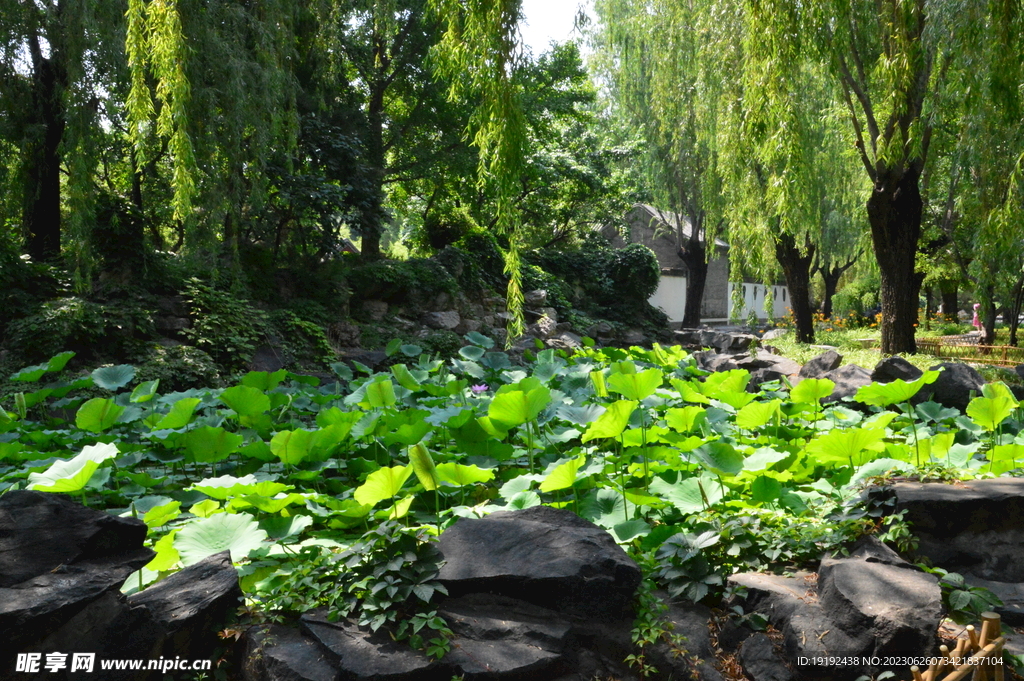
(978, 655)
(967, 349)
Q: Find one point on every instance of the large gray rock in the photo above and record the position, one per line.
(821, 365)
(39, 532)
(547, 556)
(565, 340)
(870, 603)
(57, 557)
(783, 365)
(503, 638)
(848, 378)
(761, 662)
(277, 653)
(75, 603)
(893, 368)
(191, 604)
(954, 385)
(873, 589)
(445, 320)
(535, 298)
(974, 528)
(692, 622)
(773, 334)
(543, 327)
(364, 656)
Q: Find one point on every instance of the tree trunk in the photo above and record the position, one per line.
(1014, 310)
(371, 225)
(950, 306)
(928, 308)
(797, 269)
(988, 319)
(42, 201)
(831, 278)
(894, 212)
(693, 253)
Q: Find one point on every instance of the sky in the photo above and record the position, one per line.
(548, 20)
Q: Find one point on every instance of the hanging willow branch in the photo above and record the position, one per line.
(155, 46)
(478, 54)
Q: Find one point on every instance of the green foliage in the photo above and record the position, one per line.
(115, 330)
(226, 327)
(179, 367)
(651, 627)
(306, 341)
(305, 483)
(406, 280)
(386, 579)
(964, 603)
(444, 226)
(634, 272)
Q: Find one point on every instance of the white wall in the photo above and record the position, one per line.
(753, 298)
(671, 297)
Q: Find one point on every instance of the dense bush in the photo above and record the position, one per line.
(226, 327)
(23, 285)
(401, 280)
(445, 226)
(115, 330)
(634, 272)
(179, 367)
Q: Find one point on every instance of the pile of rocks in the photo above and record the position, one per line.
(61, 570)
(716, 350)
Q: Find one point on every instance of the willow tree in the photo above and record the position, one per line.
(478, 54)
(890, 61)
(979, 203)
(660, 61)
(57, 59)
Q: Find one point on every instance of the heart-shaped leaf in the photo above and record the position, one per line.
(145, 391)
(612, 422)
(564, 475)
(210, 444)
(180, 414)
(291, 446)
(461, 475)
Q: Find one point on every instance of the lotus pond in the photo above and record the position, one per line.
(694, 474)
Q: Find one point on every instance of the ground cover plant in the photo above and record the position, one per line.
(328, 494)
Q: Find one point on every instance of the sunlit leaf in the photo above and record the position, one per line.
(74, 474)
(564, 475)
(461, 475)
(180, 414)
(238, 533)
(381, 484)
(245, 400)
(612, 422)
(291, 446)
(98, 414)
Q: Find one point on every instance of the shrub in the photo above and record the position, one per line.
(226, 327)
(114, 330)
(445, 226)
(304, 340)
(634, 272)
(179, 368)
(401, 280)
